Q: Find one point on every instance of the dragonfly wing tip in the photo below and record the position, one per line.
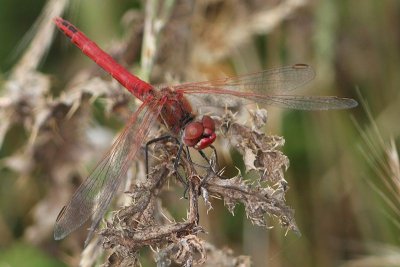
(59, 232)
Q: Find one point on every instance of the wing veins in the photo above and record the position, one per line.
(95, 185)
(276, 80)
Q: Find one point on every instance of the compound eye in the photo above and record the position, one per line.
(193, 132)
(208, 123)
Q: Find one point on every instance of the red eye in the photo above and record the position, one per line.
(208, 123)
(193, 131)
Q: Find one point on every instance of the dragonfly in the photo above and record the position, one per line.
(171, 106)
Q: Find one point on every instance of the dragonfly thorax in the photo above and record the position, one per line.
(179, 118)
(176, 112)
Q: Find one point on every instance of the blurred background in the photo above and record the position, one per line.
(344, 169)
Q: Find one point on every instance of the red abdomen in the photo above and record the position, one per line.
(136, 86)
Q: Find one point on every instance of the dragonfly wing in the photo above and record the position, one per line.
(95, 194)
(306, 102)
(212, 98)
(269, 87)
(272, 81)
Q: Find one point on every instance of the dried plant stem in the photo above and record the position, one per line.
(41, 42)
(156, 17)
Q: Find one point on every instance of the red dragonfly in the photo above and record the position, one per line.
(172, 107)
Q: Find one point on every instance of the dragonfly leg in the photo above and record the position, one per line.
(161, 138)
(178, 155)
(176, 164)
(209, 162)
(204, 156)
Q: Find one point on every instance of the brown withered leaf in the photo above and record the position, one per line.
(260, 151)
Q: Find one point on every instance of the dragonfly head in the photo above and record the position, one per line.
(199, 134)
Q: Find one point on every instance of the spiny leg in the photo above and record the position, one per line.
(204, 156)
(177, 159)
(176, 165)
(208, 160)
(161, 138)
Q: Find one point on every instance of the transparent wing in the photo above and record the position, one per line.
(305, 102)
(95, 194)
(270, 87)
(272, 81)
